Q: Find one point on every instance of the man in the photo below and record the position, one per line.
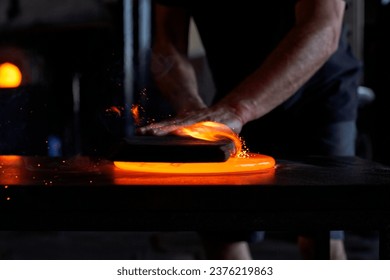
(284, 79)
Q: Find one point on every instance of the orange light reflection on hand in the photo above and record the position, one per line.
(212, 131)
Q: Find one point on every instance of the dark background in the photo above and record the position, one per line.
(70, 47)
(65, 48)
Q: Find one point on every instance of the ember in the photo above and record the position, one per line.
(136, 114)
(115, 110)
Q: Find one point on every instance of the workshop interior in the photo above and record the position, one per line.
(70, 72)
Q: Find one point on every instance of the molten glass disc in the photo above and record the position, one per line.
(252, 163)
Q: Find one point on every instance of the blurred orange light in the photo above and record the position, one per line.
(10, 75)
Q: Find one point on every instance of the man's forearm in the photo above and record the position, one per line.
(302, 52)
(172, 71)
(176, 79)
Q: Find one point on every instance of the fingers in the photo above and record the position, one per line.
(158, 129)
(168, 126)
(172, 125)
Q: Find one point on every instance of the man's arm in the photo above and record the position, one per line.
(308, 45)
(312, 40)
(172, 71)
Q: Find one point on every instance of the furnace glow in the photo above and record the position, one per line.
(240, 160)
(10, 75)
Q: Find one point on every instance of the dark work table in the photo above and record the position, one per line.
(84, 193)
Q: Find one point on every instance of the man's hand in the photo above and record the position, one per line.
(220, 114)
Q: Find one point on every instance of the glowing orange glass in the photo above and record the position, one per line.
(240, 161)
(252, 163)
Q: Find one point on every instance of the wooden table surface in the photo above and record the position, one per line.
(83, 193)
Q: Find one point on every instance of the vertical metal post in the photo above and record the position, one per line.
(360, 22)
(128, 63)
(76, 114)
(137, 44)
(355, 17)
(144, 41)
